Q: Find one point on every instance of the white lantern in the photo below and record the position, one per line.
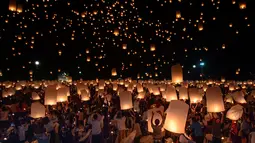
(141, 95)
(85, 96)
(214, 100)
(101, 84)
(62, 95)
(183, 93)
(50, 95)
(126, 100)
(238, 96)
(171, 93)
(12, 5)
(177, 76)
(35, 96)
(176, 116)
(235, 112)
(139, 88)
(37, 110)
(194, 95)
(114, 72)
(155, 90)
(114, 86)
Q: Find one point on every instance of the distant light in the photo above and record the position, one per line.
(194, 66)
(37, 63)
(202, 64)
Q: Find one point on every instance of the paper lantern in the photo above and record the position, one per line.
(235, 112)
(116, 32)
(176, 116)
(114, 86)
(214, 100)
(200, 26)
(238, 96)
(12, 5)
(155, 90)
(141, 95)
(242, 5)
(35, 96)
(85, 96)
(152, 47)
(183, 93)
(178, 14)
(19, 8)
(156, 116)
(114, 72)
(80, 87)
(228, 99)
(124, 46)
(177, 76)
(130, 87)
(171, 93)
(62, 95)
(194, 95)
(101, 84)
(126, 100)
(139, 88)
(50, 95)
(37, 110)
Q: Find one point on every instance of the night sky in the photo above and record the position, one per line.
(88, 38)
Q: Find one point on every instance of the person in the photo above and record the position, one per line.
(234, 133)
(216, 128)
(197, 133)
(121, 125)
(22, 131)
(157, 127)
(245, 128)
(96, 121)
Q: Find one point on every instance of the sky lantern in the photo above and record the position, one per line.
(88, 59)
(177, 75)
(50, 95)
(214, 101)
(139, 88)
(35, 96)
(126, 100)
(176, 117)
(152, 47)
(235, 112)
(194, 95)
(85, 96)
(200, 26)
(12, 5)
(141, 95)
(116, 32)
(114, 86)
(183, 93)
(170, 93)
(19, 8)
(37, 110)
(124, 46)
(242, 5)
(62, 95)
(238, 96)
(114, 72)
(101, 84)
(178, 14)
(155, 90)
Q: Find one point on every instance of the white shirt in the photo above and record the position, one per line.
(22, 132)
(96, 124)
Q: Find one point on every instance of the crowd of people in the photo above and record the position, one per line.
(101, 120)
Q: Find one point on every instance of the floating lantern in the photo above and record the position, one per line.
(50, 95)
(214, 100)
(116, 32)
(85, 96)
(242, 5)
(37, 110)
(200, 26)
(62, 95)
(139, 88)
(19, 8)
(35, 96)
(152, 47)
(141, 95)
(171, 93)
(114, 72)
(176, 117)
(235, 112)
(194, 95)
(238, 96)
(124, 46)
(177, 76)
(114, 86)
(12, 5)
(183, 93)
(126, 100)
(101, 84)
(178, 14)
(155, 90)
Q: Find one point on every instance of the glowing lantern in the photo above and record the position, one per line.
(101, 84)
(194, 95)
(223, 79)
(12, 5)
(114, 86)
(62, 95)
(242, 5)
(139, 88)
(141, 95)
(238, 96)
(171, 94)
(156, 116)
(155, 90)
(114, 72)
(35, 96)
(231, 87)
(50, 95)
(200, 27)
(235, 112)
(88, 59)
(177, 76)
(178, 14)
(116, 32)
(19, 9)
(183, 93)
(85, 95)
(176, 117)
(130, 87)
(126, 100)
(124, 46)
(152, 47)
(18, 86)
(37, 110)
(214, 100)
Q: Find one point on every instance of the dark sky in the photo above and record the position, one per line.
(44, 29)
